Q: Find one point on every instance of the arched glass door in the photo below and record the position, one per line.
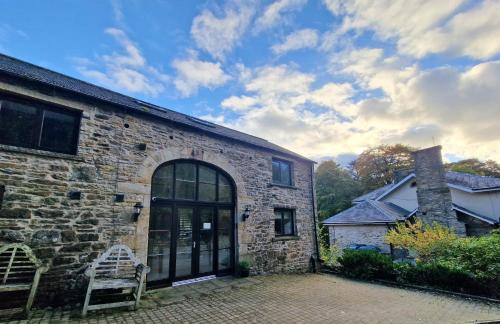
(191, 224)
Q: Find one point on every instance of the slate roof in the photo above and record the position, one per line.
(472, 182)
(467, 181)
(372, 195)
(369, 212)
(17, 68)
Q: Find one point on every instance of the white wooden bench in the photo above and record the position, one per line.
(117, 268)
(20, 270)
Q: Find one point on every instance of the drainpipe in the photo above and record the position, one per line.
(313, 195)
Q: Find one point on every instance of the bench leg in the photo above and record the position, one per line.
(87, 297)
(139, 290)
(32, 294)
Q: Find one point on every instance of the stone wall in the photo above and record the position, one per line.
(433, 193)
(67, 234)
(345, 235)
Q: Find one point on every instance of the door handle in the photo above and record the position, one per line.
(194, 244)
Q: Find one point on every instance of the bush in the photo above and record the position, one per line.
(330, 255)
(366, 265)
(422, 238)
(443, 276)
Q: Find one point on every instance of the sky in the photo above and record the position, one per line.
(326, 79)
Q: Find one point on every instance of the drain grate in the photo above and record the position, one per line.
(192, 281)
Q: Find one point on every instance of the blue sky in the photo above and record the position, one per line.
(324, 78)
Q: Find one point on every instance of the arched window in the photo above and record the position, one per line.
(188, 180)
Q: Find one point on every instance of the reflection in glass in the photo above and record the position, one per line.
(206, 240)
(163, 182)
(184, 242)
(185, 180)
(224, 239)
(160, 224)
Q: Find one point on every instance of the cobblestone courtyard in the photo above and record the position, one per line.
(307, 298)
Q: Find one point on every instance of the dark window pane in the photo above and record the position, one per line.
(277, 222)
(284, 222)
(287, 222)
(207, 175)
(160, 226)
(224, 237)
(185, 185)
(18, 124)
(59, 132)
(276, 172)
(206, 192)
(163, 182)
(207, 184)
(285, 173)
(225, 192)
(281, 172)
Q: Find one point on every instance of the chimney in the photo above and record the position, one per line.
(433, 193)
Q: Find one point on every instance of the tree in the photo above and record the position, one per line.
(335, 188)
(375, 166)
(474, 166)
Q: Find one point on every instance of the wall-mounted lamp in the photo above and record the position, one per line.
(137, 210)
(246, 213)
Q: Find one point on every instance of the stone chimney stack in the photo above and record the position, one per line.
(433, 193)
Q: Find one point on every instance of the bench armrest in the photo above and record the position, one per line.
(142, 268)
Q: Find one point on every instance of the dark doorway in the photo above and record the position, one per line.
(191, 226)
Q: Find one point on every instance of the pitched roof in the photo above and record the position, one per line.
(469, 212)
(372, 195)
(368, 212)
(463, 181)
(20, 69)
(472, 181)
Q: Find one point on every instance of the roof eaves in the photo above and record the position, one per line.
(475, 215)
(396, 186)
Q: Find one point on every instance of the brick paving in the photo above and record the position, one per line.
(310, 298)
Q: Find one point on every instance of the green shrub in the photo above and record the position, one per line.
(330, 255)
(366, 265)
(479, 256)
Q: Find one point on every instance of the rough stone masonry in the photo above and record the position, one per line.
(433, 193)
(69, 233)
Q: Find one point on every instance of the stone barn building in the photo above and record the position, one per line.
(82, 167)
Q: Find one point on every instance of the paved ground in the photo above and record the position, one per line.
(308, 298)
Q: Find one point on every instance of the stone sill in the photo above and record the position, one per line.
(15, 149)
(282, 186)
(286, 238)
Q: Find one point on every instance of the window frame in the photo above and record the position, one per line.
(218, 173)
(290, 172)
(41, 107)
(282, 230)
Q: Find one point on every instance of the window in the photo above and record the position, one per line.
(187, 180)
(38, 126)
(284, 222)
(282, 172)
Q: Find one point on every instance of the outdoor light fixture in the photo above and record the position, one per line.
(246, 213)
(137, 210)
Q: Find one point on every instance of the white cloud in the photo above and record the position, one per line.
(193, 73)
(273, 13)
(422, 27)
(127, 70)
(304, 38)
(241, 103)
(218, 35)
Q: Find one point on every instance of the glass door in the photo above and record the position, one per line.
(160, 233)
(185, 244)
(205, 240)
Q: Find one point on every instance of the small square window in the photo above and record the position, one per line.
(282, 172)
(284, 222)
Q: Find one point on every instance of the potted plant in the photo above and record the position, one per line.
(244, 268)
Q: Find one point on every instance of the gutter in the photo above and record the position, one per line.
(313, 194)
